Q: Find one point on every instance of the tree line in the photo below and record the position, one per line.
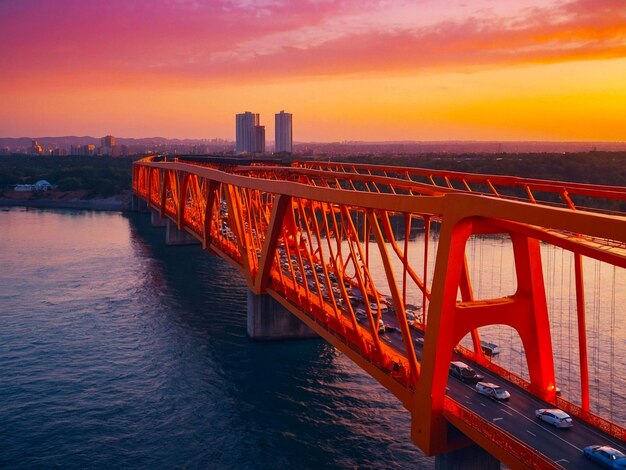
(105, 176)
(100, 177)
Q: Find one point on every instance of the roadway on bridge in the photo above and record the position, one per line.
(517, 416)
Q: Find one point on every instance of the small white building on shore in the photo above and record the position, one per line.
(41, 185)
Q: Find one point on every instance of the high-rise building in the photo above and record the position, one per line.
(284, 132)
(108, 141)
(107, 145)
(89, 150)
(245, 132)
(35, 148)
(259, 139)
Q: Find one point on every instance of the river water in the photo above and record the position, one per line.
(117, 351)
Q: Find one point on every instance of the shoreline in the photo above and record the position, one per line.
(109, 204)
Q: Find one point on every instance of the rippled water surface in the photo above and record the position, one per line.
(116, 351)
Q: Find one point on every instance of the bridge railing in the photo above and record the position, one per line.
(379, 181)
(566, 194)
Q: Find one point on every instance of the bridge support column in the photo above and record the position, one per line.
(137, 204)
(468, 458)
(156, 220)
(173, 236)
(269, 320)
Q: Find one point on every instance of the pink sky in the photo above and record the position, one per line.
(366, 70)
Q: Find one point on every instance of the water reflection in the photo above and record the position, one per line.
(296, 397)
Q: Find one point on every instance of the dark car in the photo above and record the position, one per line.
(463, 372)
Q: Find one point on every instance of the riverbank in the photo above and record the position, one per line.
(67, 200)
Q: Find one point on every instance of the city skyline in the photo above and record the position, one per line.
(379, 71)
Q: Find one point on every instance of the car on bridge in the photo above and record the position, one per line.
(464, 373)
(606, 456)
(554, 416)
(492, 391)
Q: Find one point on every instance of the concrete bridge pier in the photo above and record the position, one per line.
(173, 236)
(156, 220)
(469, 458)
(137, 204)
(268, 320)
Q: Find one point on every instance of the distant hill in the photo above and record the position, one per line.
(451, 147)
(66, 141)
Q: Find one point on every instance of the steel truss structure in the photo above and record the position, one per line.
(307, 235)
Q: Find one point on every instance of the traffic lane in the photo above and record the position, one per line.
(563, 446)
(517, 417)
(519, 425)
(522, 425)
(581, 434)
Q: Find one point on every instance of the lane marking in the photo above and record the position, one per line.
(618, 446)
(497, 419)
(561, 460)
(540, 404)
(536, 423)
(482, 404)
(504, 405)
(531, 433)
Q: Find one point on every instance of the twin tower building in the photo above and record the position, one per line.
(251, 135)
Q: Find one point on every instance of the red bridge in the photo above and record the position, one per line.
(329, 242)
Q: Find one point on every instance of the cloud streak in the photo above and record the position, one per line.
(573, 31)
(245, 40)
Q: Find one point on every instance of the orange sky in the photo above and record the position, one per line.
(351, 70)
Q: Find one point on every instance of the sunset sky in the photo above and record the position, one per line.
(347, 70)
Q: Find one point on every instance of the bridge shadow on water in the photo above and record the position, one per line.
(257, 404)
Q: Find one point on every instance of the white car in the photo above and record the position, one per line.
(554, 416)
(492, 391)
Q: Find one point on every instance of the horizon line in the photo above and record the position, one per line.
(344, 141)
